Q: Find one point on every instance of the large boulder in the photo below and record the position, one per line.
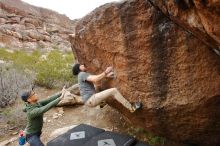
(171, 69)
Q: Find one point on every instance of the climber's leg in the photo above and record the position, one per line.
(97, 98)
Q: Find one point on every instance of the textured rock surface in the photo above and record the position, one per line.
(200, 17)
(158, 61)
(72, 97)
(28, 27)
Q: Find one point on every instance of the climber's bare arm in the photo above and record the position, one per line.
(97, 78)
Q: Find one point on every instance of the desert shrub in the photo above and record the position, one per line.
(55, 71)
(14, 116)
(13, 81)
(52, 70)
(144, 135)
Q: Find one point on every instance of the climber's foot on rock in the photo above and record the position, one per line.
(136, 106)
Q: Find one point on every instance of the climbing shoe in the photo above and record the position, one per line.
(136, 106)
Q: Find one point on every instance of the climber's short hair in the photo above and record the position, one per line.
(76, 69)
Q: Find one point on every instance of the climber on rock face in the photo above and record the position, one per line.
(88, 93)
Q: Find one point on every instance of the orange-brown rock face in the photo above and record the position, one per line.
(175, 73)
(200, 17)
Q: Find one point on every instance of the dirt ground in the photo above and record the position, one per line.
(106, 118)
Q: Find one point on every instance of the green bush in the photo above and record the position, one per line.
(51, 70)
(55, 70)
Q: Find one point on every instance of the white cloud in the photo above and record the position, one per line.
(71, 8)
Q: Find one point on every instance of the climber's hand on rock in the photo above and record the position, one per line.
(110, 75)
(108, 70)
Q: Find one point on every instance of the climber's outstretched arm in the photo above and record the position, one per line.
(96, 78)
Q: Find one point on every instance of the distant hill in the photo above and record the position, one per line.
(23, 26)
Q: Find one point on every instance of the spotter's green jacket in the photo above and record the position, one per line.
(36, 111)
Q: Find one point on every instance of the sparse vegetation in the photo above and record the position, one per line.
(144, 135)
(12, 82)
(50, 70)
(14, 117)
(55, 70)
